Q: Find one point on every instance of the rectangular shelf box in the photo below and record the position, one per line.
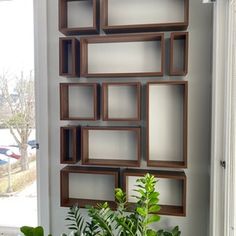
(70, 144)
(69, 57)
(128, 16)
(79, 101)
(171, 185)
(121, 101)
(111, 146)
(98, 182)
(122, 55)
(179, 53)
(167, 113)
(78, 17)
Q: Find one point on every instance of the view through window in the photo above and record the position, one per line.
(18, 200)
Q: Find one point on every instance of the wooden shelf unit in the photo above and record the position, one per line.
(182, 87)
(173, 210)
(78, 30)
(121, 143)
(84, 55)
(143, 27)
(70, 144)
(67, 201)
(122, 103)
(180, 38)
(68, 54)
(91, 93)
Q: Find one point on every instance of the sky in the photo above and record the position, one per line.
(16, 36)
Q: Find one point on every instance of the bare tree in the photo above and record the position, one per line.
(18, 95)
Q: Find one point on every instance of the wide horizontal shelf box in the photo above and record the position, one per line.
(122, 55)
(121, 101)
(126, 16)
(79, 101)
(78, 17)
(111, 146)
(171, 185)
(70, 144)
(167, 113)
(98, 182)
(69, 53)
(179, 53)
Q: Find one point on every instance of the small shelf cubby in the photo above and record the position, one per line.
(111, 146)
(171, 185)
(69, 53)
(179, 53)
(126, 16)
(167, 113)
(121, 101)
(70, 144)
(78, 17)
(122, 55)
(79, 101)
(98, 182)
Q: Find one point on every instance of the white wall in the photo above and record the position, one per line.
(199, 77)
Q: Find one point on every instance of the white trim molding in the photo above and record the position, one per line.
(41, 81)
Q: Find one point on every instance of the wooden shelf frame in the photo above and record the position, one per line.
(63, 19)
(110, 162)
(66, 201)
(66, 143)
(64, 101)
(172, 210)
(84, 41)
(174, 163)
(66, 44)
(132, 28)
(183, 36)
(105, 100)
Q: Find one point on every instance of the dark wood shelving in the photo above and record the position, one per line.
(179, 64)
(85, 56)
(85, 92)
(143, 27)
(70, 144)
(68, 54)
(68, 201)
(164, 155)
(170, 209)
(120, 99)
(125, 137)
(78, 30)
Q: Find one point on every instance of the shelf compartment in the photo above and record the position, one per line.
(179, 53)
(171, 185)
(99, 183)
(79, 101)
(70, 144)
(121, 101)
(111, 146)
(69, 52)
(78, 17)
(110, 56)
(126, 16)
(167, 113)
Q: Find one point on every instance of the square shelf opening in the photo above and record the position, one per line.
(70, 144)
(144, 16)
(78, 17)
(123, 148)
(170, 185)
(167, 124)
(179, 53)
(79, 101)
(123, 55)
(99, 183)
(121, 101)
